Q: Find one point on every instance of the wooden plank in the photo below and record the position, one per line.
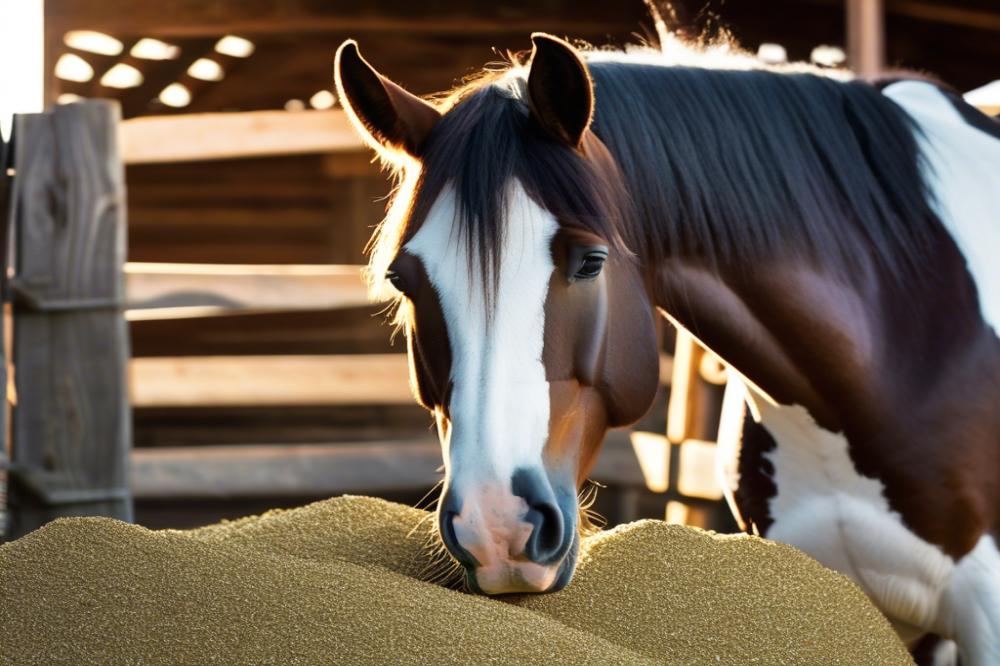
(284, 470)
(184, 473)
(71, 425)
(214, 136)
(943, 13)
(157, 291)
(216, 381)
(253, 17)
(346, 331)
(270, 380)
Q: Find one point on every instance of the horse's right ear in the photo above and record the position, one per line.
(560, 91)
(388, 115)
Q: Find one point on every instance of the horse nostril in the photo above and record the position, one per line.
(450, 539)
(546, 541)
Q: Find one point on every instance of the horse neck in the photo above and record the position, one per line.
(847, 347)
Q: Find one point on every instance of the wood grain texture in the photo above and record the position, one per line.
(311, 470)
(346, 379)
(213, 289)
(214, 136)
(71, 425)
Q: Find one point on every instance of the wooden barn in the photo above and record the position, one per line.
(191, 336)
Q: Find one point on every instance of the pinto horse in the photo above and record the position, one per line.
(834, 241)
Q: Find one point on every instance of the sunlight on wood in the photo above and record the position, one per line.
(92, 41)
(653, 453)
(349, 379)
(235, 47)
(680, 387)
(677, 513)
(148, 48)
(168, 290)
(733, 412)
(71, 67)
(176, 95)
(697, 477)
(206, 69)
(122, 76)
(712, 369)
(213, 136)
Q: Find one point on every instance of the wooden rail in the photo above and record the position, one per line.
(228, 381)
(270, 380)
(216, 136)
(317, 470)
(170, 291)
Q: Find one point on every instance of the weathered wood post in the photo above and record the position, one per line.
(71, 426)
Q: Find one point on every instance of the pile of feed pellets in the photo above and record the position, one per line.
(348, 581)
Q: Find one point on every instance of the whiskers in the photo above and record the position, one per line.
(591, 522)
(439, 567)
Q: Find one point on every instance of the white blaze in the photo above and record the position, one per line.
(500, 399)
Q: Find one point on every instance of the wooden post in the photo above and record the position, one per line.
(71, 423)
(865, 36)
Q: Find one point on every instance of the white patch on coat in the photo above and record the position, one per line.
(961, 165)
(826, 508)
(972, 605)
(500, 399)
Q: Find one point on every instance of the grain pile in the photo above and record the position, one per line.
(337, 582)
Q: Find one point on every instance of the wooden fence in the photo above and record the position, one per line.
(71, 424)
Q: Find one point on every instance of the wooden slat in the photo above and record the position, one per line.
(216, 381)
(284, 470)
(317, 470)
(157, 291)
(254, 17)
(270, 380)
(213, 136)
(71, 426)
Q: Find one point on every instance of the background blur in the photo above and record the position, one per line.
(259, 378)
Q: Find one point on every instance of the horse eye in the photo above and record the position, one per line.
(396, 279)
(590, 265)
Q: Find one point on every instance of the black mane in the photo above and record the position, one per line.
(741, 166)
(737, 166)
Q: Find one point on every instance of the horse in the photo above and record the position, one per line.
(833, 240)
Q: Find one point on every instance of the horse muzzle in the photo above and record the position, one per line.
(512, 538)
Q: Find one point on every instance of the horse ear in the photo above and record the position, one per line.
(382, 110)
(560, 91)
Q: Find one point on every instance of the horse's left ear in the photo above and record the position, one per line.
(560, 91)
(386, 113)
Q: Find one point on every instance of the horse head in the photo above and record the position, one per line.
(527, 320)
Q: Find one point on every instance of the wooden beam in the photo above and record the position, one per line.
(157, 291)
(270, 380)
(252, 17)
(944, 13)
(318, 470)
(71, 425)
(215, 136)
